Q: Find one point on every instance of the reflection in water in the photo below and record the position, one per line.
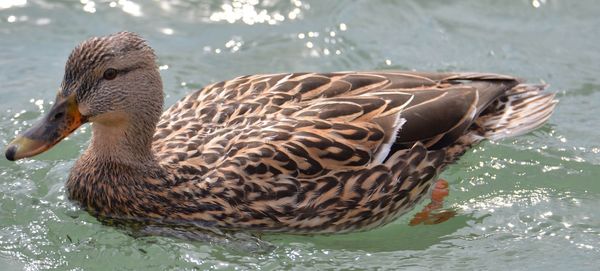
(127, 6)
(255, 12)
(4, 4)
(238, 241)
(325, 43)
(89, 6)
(537, 3)
(249, 12)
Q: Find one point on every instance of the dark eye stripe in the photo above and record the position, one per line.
(87, 83)
(128, 69)
(120, 72)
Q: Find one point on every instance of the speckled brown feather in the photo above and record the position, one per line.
(307, 152)
(295, 152)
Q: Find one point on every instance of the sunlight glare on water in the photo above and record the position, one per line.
(525, 203)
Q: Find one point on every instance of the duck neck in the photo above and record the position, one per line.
(118, 165)
(123, 142)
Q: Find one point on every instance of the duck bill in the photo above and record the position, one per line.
(62, 119)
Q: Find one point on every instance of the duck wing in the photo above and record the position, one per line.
(335, 152)
(442, 107)
(250, 99)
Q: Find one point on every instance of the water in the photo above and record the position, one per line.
(528, 203)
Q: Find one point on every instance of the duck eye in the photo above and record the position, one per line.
(110, 74)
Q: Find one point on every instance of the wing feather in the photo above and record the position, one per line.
(332, 152)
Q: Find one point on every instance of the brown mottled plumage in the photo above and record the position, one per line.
(298, 153)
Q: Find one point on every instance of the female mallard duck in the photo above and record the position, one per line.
(299, 152)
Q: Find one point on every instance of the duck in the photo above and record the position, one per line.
(301, 152)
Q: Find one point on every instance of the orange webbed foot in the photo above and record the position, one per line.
(432, 213)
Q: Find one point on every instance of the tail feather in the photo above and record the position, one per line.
(523, 109)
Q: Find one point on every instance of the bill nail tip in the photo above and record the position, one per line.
(11, 152)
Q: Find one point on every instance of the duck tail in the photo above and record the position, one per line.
(522, 109)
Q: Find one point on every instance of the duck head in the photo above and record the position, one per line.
(111, 81)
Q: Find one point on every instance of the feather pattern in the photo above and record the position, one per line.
(336, 152)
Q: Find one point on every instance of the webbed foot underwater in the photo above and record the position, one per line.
(291, 152)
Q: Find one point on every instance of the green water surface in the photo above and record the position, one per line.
(528, 203)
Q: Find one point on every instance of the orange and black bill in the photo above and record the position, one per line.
(62, 119)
